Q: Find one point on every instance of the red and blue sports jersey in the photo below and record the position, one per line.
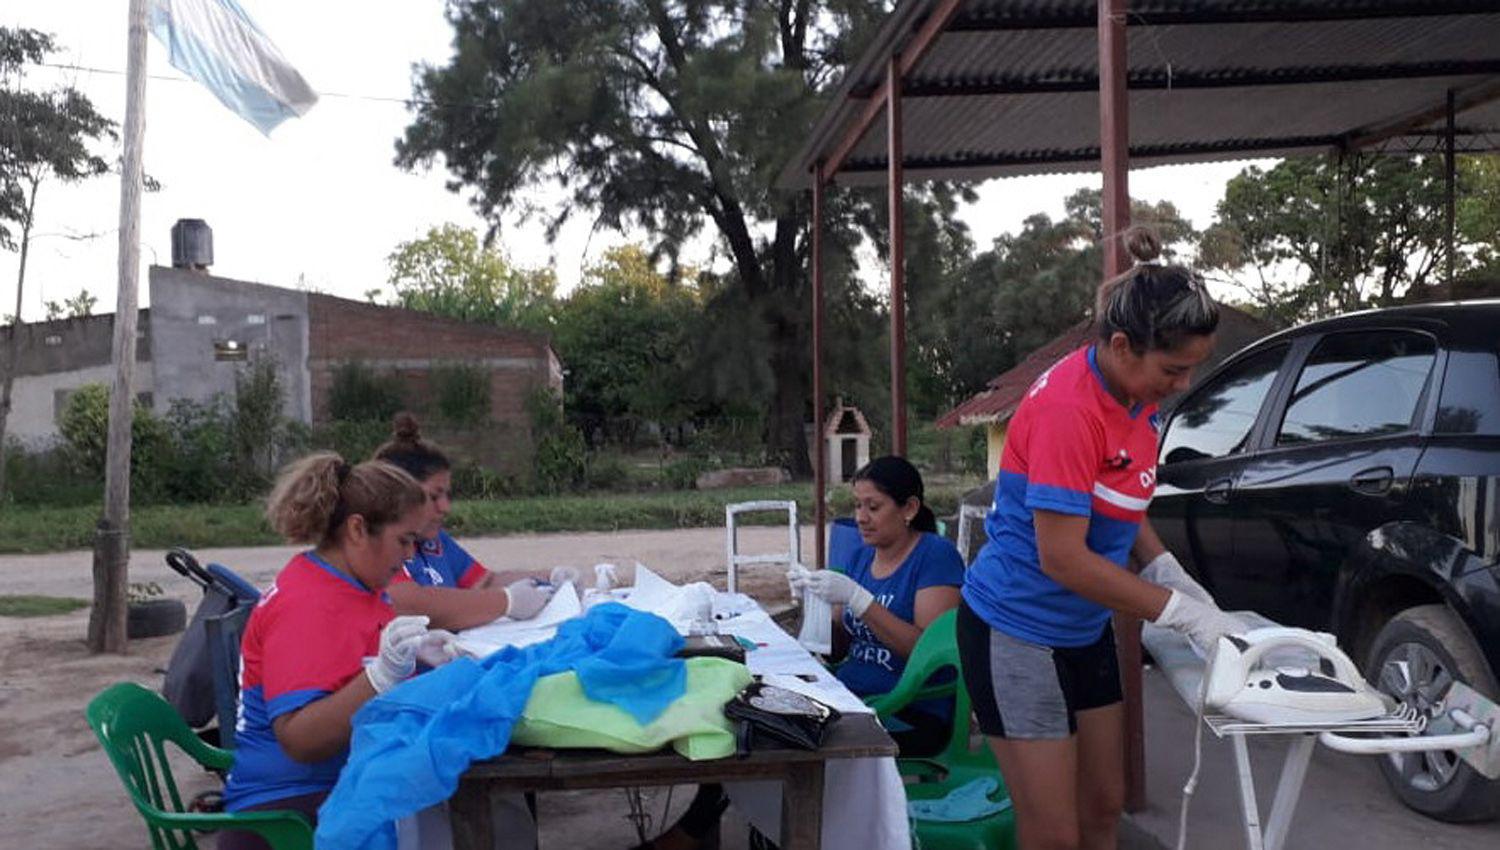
(441, 562)
(1073, 449)
(308, 636)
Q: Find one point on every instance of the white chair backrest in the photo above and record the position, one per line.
(733, 558)
(969, 516)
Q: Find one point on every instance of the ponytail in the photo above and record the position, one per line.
(1158, 307)
(314, 497)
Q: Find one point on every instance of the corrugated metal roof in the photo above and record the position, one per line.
(1210, 80)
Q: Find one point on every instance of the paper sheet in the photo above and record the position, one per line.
(483, 640)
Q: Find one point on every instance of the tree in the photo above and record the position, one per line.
(625, 334)
(668, 116)
(1028, 288)
(78, 307)
(43, 135)
(1313, 236)
(450, 272)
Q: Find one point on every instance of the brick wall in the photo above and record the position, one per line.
(407, 345)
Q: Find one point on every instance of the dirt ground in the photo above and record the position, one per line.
(57, 787)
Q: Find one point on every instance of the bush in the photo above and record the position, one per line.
(463, 393)
(360, 394)
(48, 478)
(606, 472)
(200, 467)
(472, 481)
(258, 425)
(354, 441)
(683, 474)
(561, 455)
(85, 429)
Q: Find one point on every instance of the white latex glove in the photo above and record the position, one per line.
(1202, 622)
(438, 647)
(562, 575)
(1165, 570)
(398, 652)
(526, 598)
(832, 587)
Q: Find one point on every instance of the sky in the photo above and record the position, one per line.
(320, 203)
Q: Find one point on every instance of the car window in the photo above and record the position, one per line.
(1358, 384)
(1216, 420)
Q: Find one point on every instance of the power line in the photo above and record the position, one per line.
(405, 101)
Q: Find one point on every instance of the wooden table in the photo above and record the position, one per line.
(534, 769)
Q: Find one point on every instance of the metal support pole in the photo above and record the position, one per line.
(112, 536)
(1114, 161)
(896, 184)
(1450, 179)
(820, 442)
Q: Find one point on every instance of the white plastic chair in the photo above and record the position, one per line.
(734, 560)
(967, 514)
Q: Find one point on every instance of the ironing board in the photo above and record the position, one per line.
(1184, 669)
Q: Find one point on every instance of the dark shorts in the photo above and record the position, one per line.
(1027, 691)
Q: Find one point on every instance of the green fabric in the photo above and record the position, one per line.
(558, 715)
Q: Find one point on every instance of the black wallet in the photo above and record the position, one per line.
(766, 712)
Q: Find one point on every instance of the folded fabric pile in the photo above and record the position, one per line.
(411, 744)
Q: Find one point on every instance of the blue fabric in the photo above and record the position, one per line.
(411, 744)
(872, 667)
(970, 801)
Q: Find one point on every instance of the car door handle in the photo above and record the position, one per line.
(1218, 491)
(1375, 481)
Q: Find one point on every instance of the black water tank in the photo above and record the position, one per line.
(192, 244)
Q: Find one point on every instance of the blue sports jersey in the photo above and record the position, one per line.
(441, 562)
(307, 638)
(872, 667)
(1071, 448)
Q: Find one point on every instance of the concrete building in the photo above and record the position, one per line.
(201, 330)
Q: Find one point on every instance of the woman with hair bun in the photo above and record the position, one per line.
(440, 579)
(1077, 474)
(904, 577)
(304, 655)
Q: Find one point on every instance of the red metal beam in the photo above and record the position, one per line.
(909, 56)
(896, 184)
(820, 443)
(1114, 160)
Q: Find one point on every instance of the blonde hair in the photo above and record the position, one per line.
(315, 495)
(1156, 306)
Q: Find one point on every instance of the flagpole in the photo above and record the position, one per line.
(112, 535)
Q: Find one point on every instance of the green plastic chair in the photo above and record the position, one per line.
(134, 725)
(935, 777)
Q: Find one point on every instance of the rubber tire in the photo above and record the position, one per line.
(154, 618)
(1468, 796)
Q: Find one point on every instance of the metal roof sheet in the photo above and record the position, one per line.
(1209, 80)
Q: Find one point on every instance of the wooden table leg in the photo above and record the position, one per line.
(802, 807)
(469, 812)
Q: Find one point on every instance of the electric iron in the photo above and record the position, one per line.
(1243, 682)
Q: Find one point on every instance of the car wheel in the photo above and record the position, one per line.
(1415, 658)
(154, 618)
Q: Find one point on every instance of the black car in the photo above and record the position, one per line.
(1345, 476)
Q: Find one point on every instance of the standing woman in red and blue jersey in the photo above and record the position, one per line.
(324, 639)
(441, 579)
(1076, 476)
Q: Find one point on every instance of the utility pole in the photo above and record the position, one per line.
(112, 535)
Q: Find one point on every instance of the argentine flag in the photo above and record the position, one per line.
(216, 43)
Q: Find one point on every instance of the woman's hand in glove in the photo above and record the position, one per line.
(1165, 570)
(398, 652)
(438, 647)
(526, 598)
(1202, 622)
(832, 587)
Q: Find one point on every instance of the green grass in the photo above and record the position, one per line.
(25, 530)
(39, 606)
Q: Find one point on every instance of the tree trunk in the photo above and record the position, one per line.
(789, 361)
(14, 343)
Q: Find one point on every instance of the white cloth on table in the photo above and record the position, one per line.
(864, 801)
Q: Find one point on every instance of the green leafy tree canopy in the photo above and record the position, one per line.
(452, 273)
